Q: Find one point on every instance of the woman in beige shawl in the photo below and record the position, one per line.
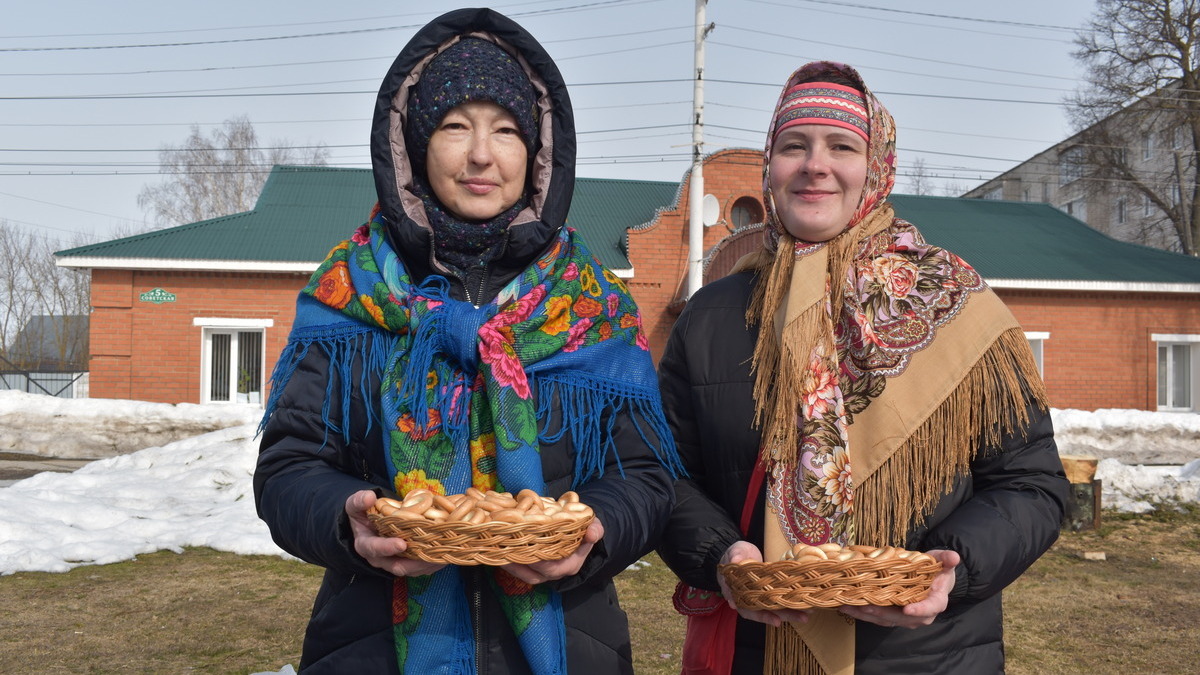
(885, 396)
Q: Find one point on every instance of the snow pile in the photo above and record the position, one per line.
(1139, 488)
(94, 428)
(1130, 436)
(194, 492)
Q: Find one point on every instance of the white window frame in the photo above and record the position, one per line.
(1037, 344)
(1070, 165)
(1148, 146)
(217, 325)
(1193, 376)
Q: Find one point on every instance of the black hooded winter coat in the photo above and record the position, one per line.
(305, 474)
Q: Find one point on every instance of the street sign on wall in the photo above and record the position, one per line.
(158, 296)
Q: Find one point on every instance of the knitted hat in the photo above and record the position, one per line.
(471, 69)
(824, 103)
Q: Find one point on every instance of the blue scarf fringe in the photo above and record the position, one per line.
(580, 396)
(342, 343)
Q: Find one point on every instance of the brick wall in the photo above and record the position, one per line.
(659, 251)
(152, 352)
(111, 334)
(1100, 353)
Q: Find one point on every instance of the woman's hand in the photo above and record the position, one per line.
(381, 552)
(549, 570)
(744, 551)
(919, 613)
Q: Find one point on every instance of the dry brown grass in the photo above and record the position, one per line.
(1135, 612)
(202, 611)
(209, 612)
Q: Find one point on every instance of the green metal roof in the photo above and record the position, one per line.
(300, 214)
(303, 211)
(1033, 240)
(602, 210)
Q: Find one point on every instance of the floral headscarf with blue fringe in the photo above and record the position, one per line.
(465, 402)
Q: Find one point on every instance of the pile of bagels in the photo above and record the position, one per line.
(475, 507)
(808, 553)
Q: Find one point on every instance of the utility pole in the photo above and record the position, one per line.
(696, 185)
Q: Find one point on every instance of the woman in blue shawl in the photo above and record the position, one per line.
(464, 337)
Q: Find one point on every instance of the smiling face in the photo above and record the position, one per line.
(476, 161)
(817, 174)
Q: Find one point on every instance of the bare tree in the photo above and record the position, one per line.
(41, 303)
(953, 188)
(16, 303)
(1139, 114)
(919, 180)
(217, 175)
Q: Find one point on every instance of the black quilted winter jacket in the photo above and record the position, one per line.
(305, 474)
(1000, 519)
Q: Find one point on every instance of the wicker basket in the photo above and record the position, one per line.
(490, 543)
(790, 584)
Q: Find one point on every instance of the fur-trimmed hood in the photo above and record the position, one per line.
(552, 167)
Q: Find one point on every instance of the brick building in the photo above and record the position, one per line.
(198, 313)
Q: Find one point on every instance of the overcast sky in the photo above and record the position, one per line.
(91, 91)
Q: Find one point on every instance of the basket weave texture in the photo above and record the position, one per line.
(490, 543)
(789, 584)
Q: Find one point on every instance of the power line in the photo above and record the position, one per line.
(204, 69)
(940, 78)
(197, 43)
(244, 27)
(185, 149)
(1021, 24)
(166, 124)
(384, 57)
(118, 97)
(590, 136)
(268, 38)
(63, 206)
(842, 45)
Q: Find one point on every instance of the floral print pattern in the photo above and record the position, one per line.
(333, 288)
(457, 397)
(898, 293)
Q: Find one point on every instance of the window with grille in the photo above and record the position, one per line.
(1177, 371)
(232, 362)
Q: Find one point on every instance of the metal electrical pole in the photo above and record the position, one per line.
(696, 185)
